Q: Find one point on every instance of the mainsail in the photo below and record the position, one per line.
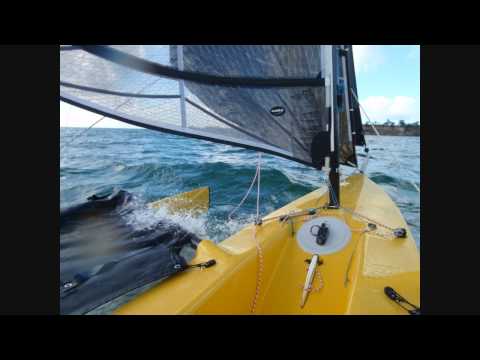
(272, 98)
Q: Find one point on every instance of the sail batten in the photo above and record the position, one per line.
(118, 93)
(167, 128)
(270, 98)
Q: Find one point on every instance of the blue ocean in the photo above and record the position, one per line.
(152, 165)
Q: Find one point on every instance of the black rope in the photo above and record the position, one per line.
(153, 68)
(69, 47)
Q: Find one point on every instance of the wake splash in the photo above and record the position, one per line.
(205, 225)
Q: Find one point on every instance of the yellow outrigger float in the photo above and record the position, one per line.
(262, 269)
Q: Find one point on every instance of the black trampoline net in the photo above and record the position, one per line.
(104, 258)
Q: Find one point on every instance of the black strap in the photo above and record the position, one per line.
(69, 47)
(400, 301)
(96, 197)
(153, 68)
(203, 265)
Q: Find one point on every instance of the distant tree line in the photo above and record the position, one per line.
(401, 123)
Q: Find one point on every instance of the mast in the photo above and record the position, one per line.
(334, 174)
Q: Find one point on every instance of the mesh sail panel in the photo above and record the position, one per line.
(249, 111)
(266, 97)
(252, 61)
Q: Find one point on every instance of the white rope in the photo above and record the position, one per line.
(245, 197)
(258, 245)
(259, 167)
(257, 175)
(259, 275)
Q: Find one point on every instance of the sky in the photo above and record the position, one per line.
(388, 85)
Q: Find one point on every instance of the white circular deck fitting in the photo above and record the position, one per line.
(339, 235)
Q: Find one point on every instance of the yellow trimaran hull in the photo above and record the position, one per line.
(350, 281)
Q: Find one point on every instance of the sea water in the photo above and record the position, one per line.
(152, 165)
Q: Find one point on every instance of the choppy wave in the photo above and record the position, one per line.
(153, 165)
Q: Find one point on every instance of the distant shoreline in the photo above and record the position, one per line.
(367, 129)
(392, 130)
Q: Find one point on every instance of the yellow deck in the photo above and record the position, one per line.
(369, 262)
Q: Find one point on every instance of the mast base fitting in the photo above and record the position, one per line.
(258, 222)
(400, 233)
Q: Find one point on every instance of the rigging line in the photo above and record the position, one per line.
(246, 195)
(378, 134)
(364, 112)
(363, 217)
(258, 184)
(258, 245)
(103, 117)
(83, 132)
(256, 178)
